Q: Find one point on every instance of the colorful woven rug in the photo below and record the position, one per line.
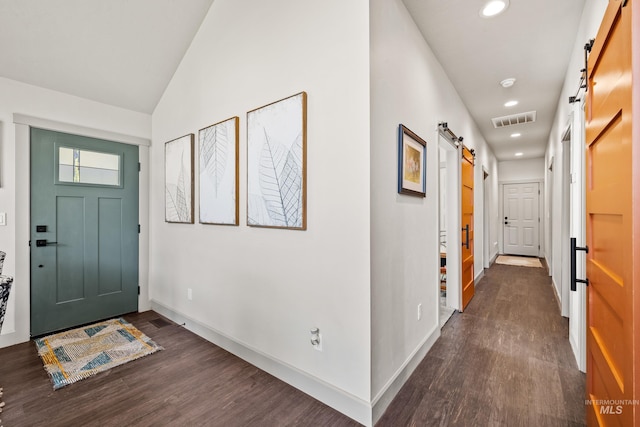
(73, 355)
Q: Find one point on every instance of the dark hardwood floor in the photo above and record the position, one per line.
(505, 361)
(190, 383)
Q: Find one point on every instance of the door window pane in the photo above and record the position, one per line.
(88, 167)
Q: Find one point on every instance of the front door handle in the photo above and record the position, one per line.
(43, 242)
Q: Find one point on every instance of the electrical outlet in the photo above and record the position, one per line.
(419, 311)
(189, 294)
(316, 339)
(319, 345)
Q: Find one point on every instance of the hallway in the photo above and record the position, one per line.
(505, 361)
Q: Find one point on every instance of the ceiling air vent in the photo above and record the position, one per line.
(514, 119)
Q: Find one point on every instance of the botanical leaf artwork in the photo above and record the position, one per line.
(218, 173)
(178, 179)
(275, 135)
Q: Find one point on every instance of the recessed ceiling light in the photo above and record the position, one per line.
(493, 8)
(515, 135)
(519, 154)
(511, 103)
(508, 82)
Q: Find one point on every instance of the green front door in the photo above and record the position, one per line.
(84, 230)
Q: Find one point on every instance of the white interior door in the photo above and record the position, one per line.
(521, 219)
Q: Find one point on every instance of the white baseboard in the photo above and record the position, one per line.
(576, 352)
(479, 276)
(494, 258)
(350, 405)
(383, 399)
(555, 292)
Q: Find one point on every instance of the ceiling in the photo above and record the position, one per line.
(118, 52)
(124, 53)
(531, 41)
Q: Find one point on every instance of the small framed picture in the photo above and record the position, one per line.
(412, 160)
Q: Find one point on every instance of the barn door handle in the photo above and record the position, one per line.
(43, 242)
(574, 250)
(466, 240)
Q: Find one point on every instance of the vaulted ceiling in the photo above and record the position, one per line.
(119, 52)
(124, 53)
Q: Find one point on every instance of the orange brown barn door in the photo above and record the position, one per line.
(468, 287)
(609, 222)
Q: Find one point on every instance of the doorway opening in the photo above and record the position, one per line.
(449, 226)
(487, 239)
(577, 191)
(445, 311)
(521, 224)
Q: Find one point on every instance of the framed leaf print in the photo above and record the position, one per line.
(412, 160)
(178, 180)
(218, 155)
(276, 164)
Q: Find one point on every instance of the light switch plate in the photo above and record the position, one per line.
(3, 218)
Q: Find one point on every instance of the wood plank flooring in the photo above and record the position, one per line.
(505, 361)
(190, 383)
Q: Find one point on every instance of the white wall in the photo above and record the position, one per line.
(521, 170)
(266, 288)
(408, 86)
(589, 24)
(14, 178)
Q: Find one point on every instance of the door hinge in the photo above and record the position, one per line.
(538, 192)
(138, 228)
(538, 247)
(139, 167)
(138, 290)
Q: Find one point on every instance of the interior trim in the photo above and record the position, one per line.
(38, 122)
(384, 398)
(348, 404)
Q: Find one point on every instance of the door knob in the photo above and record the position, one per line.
(43, 242)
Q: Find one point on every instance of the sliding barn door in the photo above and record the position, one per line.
(611, 352)
(468, 287)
